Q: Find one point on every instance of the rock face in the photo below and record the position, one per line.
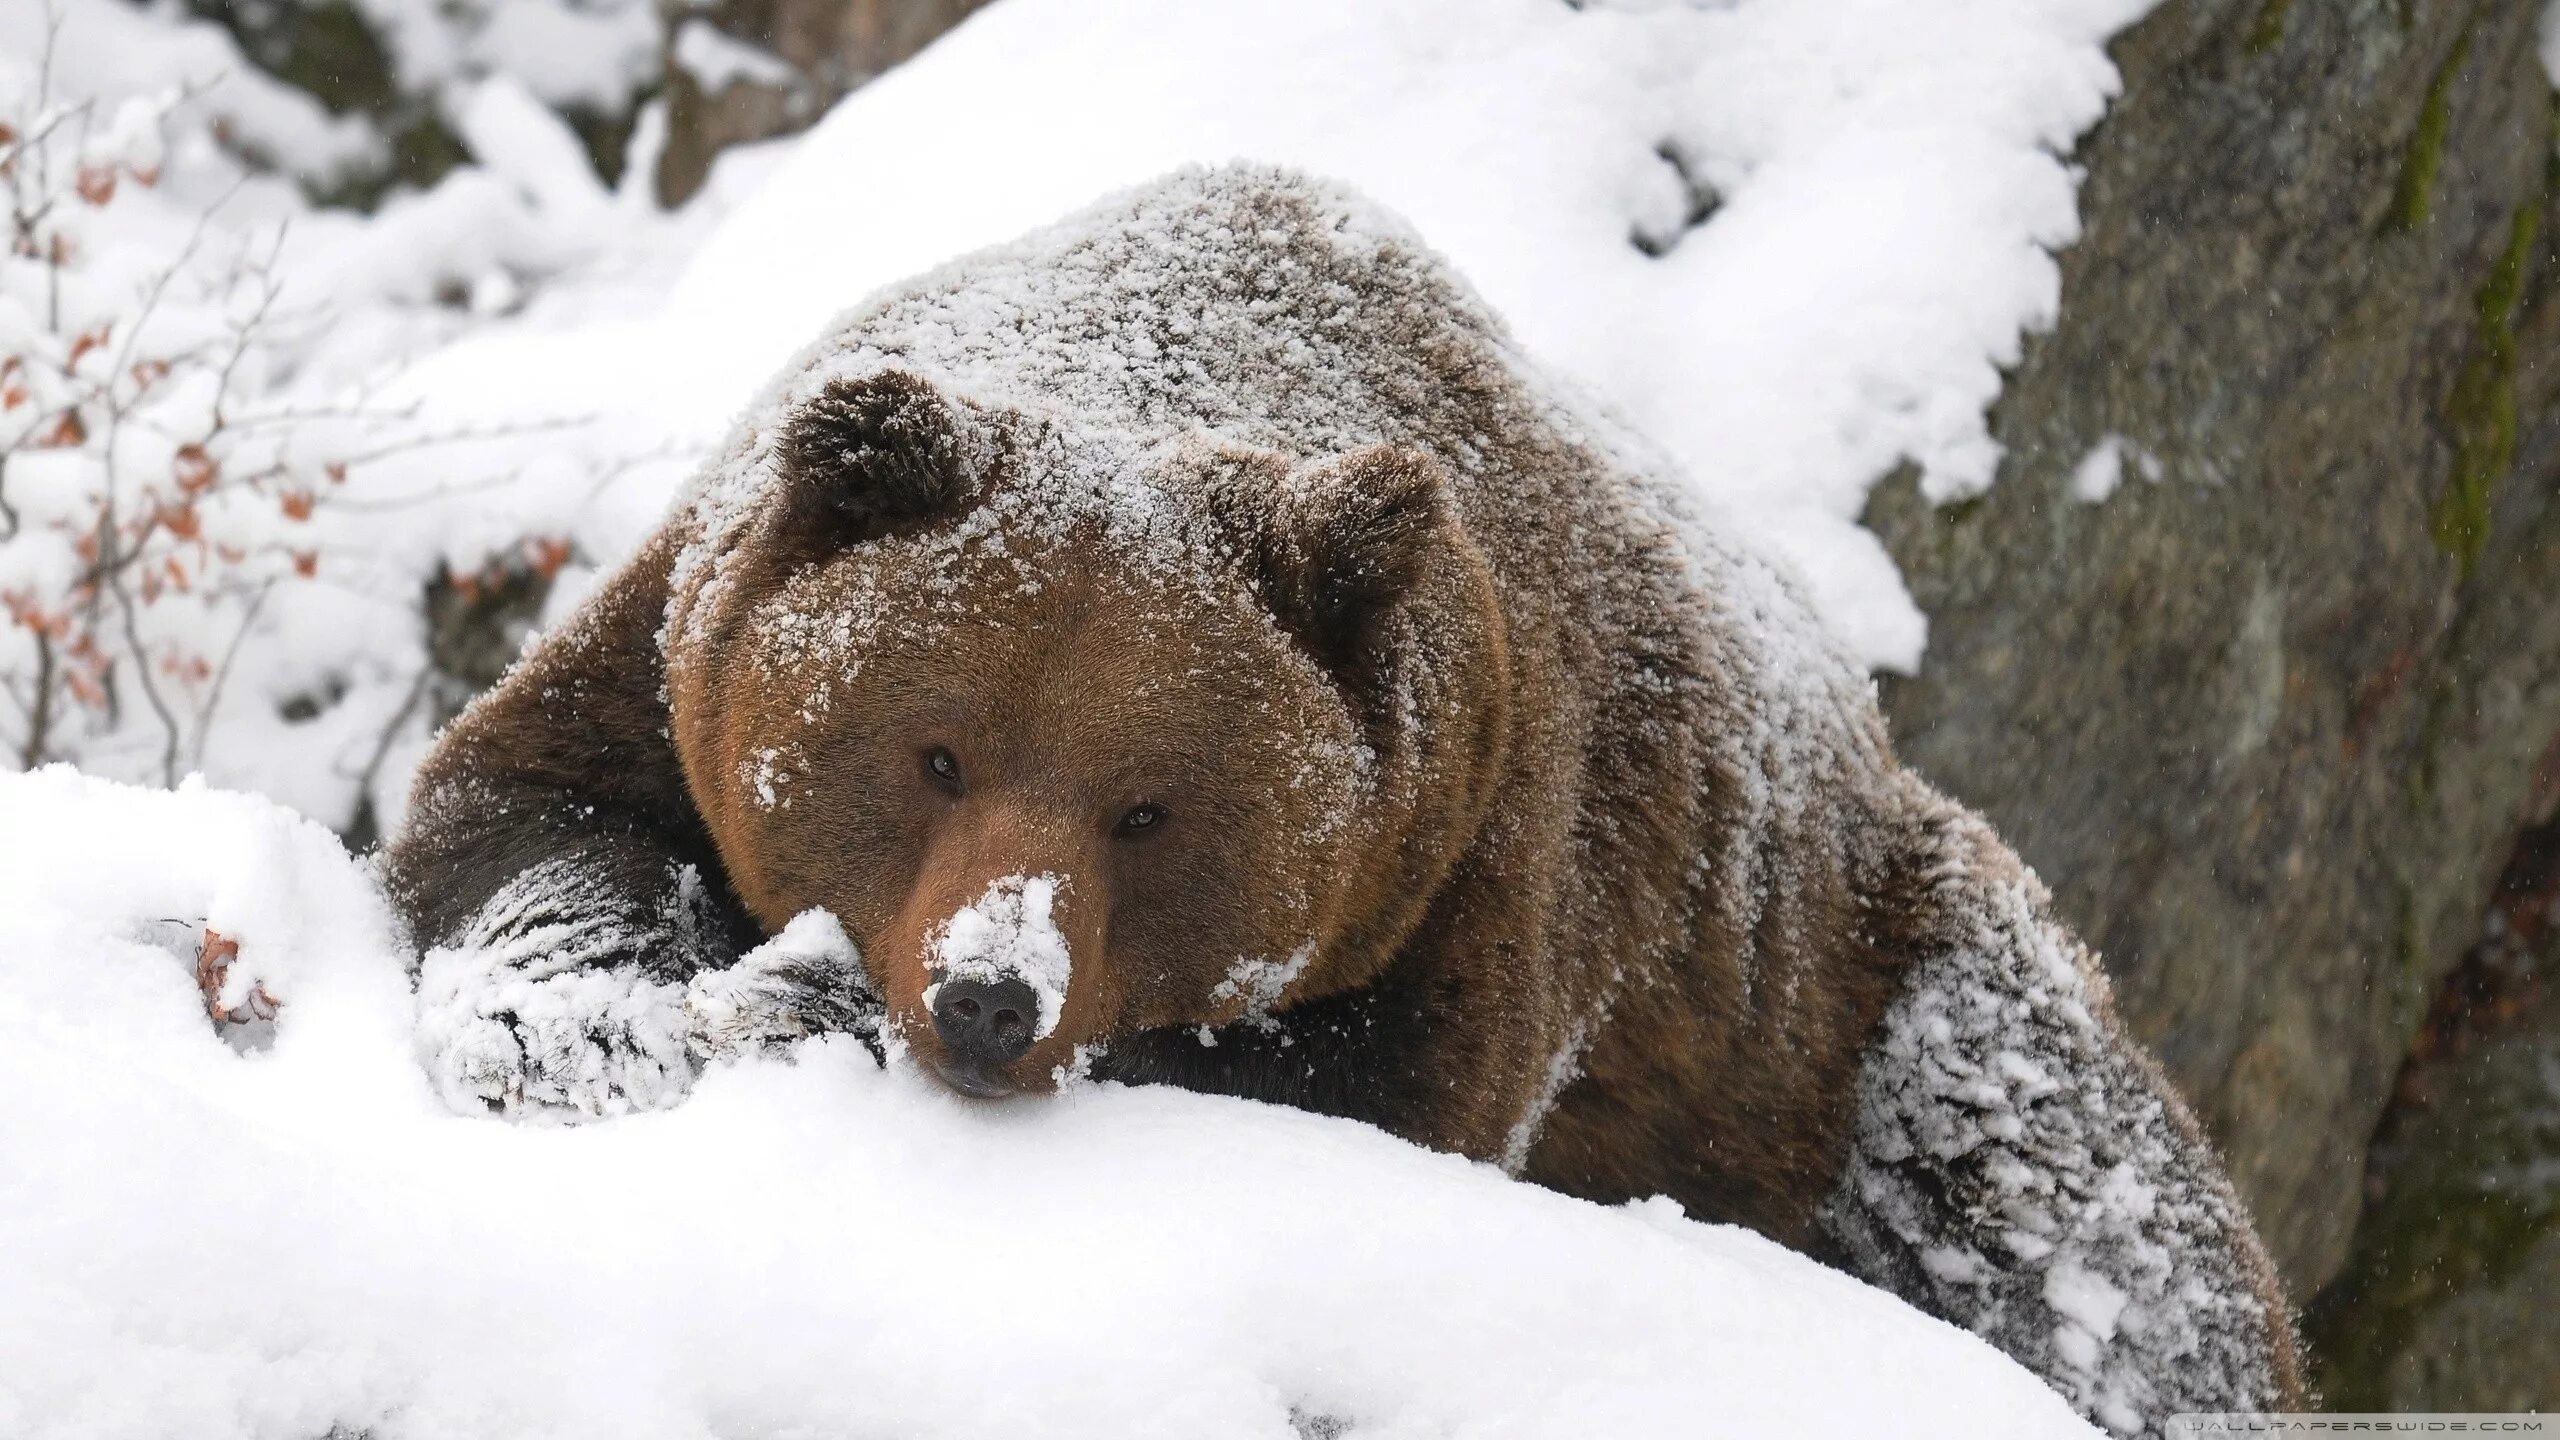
(2447, 1301)
(745, 70)
(2268, 716)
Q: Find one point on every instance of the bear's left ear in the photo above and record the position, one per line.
(866, 453)
(1350, 539)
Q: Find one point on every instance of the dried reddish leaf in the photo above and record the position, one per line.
(177, 572)
(88, 340)
(182, 521)
(67, 429)
(145, 176)
(297, 504)
(306, 563)
(548, 554)
(147, 373)
(196, 469)
(96, 183)
(337, 470)
(213, 967)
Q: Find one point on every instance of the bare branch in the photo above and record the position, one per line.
(222, 673)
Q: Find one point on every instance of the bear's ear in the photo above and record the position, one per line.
(865, 454)
(1350, 539)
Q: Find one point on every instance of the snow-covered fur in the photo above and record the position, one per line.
(1516, 807)
(550, 998)
(2022, 1168)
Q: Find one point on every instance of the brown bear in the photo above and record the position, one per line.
(1194, 645)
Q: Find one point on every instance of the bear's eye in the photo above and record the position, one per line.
(1141, 817)
(944, 766)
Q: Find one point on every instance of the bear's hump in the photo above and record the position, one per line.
(1273, 308)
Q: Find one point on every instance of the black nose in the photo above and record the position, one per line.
(984, 1023)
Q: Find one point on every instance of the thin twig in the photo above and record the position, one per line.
(40, 712)
(391, 731)
(222, 673)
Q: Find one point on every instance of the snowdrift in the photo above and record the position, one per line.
(207, 1239)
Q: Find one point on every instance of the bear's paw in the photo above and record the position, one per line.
(584, 1044)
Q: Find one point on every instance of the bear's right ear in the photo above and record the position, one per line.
(867, 454)
(1353, 539)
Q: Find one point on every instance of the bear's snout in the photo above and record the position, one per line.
(996, 975)
(984, 1025)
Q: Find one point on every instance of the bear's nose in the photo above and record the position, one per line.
(983, 1023)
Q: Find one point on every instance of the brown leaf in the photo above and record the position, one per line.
(548, 554)
(67, 429)
(196, 469)
(213, 966)
(96, 183)
(89, 340)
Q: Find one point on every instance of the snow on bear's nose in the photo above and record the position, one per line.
(1008, 934)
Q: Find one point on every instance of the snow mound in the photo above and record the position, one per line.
(221, 1242)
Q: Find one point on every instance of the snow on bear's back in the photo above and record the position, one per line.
(1278, 310)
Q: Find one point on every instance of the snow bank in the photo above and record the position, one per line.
(1880, 183)
(219, 1244)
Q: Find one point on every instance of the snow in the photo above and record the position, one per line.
(528, 1008)
(1259, 983)
(278, 1243)
(717, 60)
(2100, 471)
(2036, 1177)
(1888, 175)
(1009, 933)
(775, 991)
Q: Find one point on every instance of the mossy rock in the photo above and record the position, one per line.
(2452, 1300)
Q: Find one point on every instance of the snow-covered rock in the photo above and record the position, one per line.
(212, 1243)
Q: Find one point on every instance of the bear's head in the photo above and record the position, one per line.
(1082, 735)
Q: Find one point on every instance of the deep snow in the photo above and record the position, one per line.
(207, 1243)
